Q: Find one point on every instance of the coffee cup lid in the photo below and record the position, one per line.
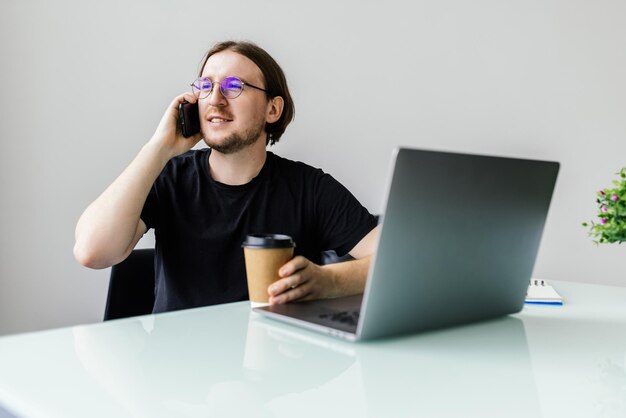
(268, 241)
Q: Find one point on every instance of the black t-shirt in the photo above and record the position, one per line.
(200, 224)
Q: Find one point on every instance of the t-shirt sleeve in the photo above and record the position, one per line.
(342, 221)
(149, 211)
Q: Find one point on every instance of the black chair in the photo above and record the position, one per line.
(131, 286)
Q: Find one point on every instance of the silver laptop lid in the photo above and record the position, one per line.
(459, 239)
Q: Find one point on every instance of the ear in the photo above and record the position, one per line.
(274, 109)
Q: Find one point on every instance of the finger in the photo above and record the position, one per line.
(301, 292)
(285, 284)
(181, 98)
(189, 97)
(292, 266)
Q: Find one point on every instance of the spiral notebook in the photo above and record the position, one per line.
(541, 293)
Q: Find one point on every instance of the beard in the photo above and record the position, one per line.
(237, 141)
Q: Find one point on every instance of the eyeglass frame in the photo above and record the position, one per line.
(243, 85)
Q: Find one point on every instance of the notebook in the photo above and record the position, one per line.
(541, 293)
(458, 242)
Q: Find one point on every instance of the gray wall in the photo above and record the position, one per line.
(84, 83)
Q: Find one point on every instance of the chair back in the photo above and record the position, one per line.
(131, 286)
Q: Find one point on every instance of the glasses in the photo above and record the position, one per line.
(231, 87)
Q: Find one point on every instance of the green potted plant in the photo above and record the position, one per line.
(611, 226)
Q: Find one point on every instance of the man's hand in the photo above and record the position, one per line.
(168, 136)
(302, 279)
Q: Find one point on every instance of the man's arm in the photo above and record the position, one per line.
(303, 279)
(110, 227)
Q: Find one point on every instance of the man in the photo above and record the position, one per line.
(202, 203)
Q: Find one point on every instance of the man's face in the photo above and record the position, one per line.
(229, 125)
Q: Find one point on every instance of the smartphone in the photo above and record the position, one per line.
(189, 118)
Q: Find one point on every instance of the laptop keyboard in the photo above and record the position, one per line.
(346, 317)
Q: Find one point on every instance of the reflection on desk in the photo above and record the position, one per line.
(225, 361)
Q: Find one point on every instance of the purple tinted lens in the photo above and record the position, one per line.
(195, 87)
(205, 86)
(201, 87)
(231, 87)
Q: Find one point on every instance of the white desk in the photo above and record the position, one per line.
(224, 361)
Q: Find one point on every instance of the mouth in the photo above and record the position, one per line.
(216, 120)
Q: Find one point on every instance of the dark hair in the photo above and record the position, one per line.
(275, 81)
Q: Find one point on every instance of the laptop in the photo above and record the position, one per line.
(458, 242)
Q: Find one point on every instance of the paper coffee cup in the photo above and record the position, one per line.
(265, 254)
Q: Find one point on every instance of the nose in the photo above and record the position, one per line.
(215, 97)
